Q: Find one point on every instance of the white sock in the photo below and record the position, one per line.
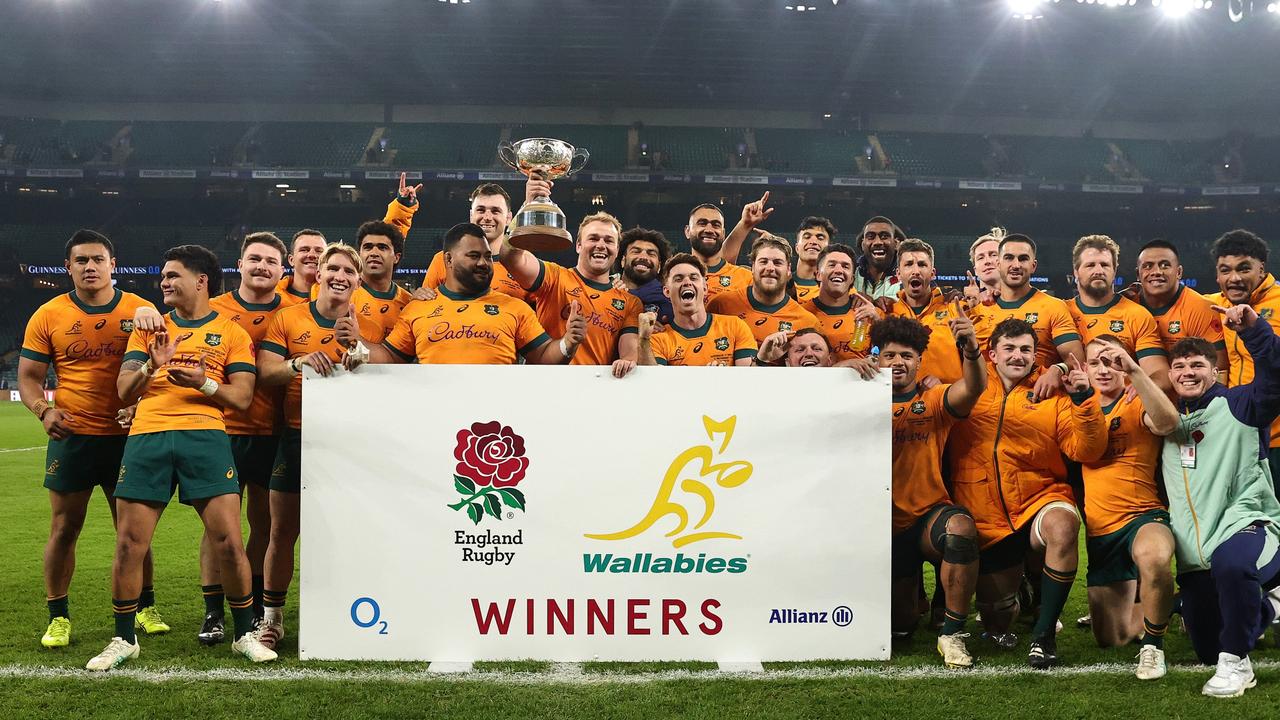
(273, 615)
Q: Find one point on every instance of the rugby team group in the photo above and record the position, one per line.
(1145, 414)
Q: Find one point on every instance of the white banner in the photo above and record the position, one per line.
(463, 513)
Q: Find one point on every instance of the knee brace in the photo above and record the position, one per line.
(959, 550)
(1007, 604)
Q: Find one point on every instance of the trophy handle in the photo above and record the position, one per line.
(507, 153)
(576, 166)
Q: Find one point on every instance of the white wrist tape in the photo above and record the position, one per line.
(359, 353)
(209, 387)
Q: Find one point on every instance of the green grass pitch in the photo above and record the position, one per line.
(175, 677)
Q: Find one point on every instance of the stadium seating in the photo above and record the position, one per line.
(826, 152)
(1164, 161)
(1262, 159)
(36, 244)
(185, 144)
(1059, 159)
(606, 143)
(318, 145)
(444, 145)
(934, 155)
(692, 148)
(28, 138)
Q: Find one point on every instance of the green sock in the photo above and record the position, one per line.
(274, 598)
(1153, 634)
(1055, 585)
(213, 597)
(952, 623)
(258, 584)
(241, 614)
(147, 598)
(58, 608)
(125, 611)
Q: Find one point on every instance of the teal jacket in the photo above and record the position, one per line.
(1230, 486)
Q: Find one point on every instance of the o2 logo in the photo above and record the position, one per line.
(374, 612)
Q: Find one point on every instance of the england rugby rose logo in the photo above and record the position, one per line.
(491, 462)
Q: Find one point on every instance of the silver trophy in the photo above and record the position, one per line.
(540, 224)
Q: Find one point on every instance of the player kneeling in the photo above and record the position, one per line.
(1127, 531)
(926, 524)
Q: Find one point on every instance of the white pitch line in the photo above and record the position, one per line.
(9, 450)
(573, 674)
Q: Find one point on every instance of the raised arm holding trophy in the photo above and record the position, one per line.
(540, 224)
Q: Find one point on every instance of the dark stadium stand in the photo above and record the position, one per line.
(934, 155)
(319, 145)
(606, 143)
(1261, 159)
(443, 145)
(26, 138)
(817, 151)
(691, 148)
(1059, 159)
(1161, 160)
(185, 144)
(465, 146)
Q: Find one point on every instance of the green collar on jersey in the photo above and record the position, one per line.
(173, 315)
(97, 309)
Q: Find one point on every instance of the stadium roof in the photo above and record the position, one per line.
(960, 57)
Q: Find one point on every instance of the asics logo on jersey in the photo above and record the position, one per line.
(1091, 323)
(383, 310)
(463, 307)
(837, 325)
(326, 339)
(258, 320)
(761, 321)
(694, 472)
(100, 324)
(185, 336)
(697, 348)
